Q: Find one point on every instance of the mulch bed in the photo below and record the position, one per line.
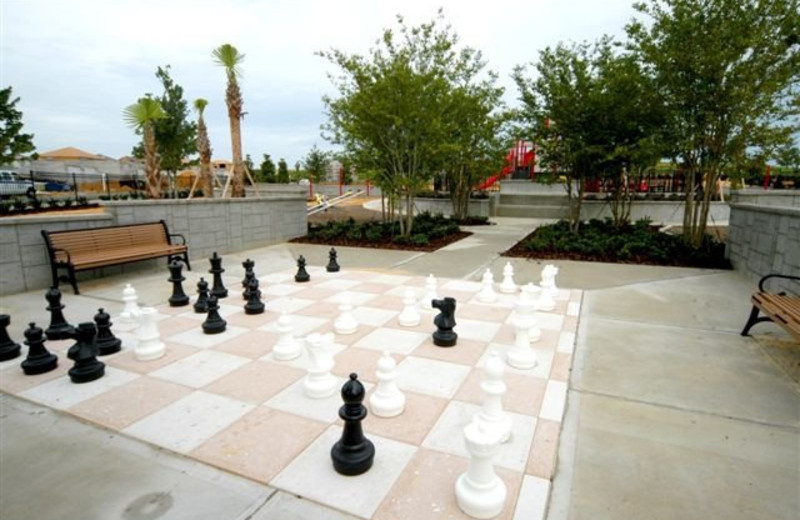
(433, 245)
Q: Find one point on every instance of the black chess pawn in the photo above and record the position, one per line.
(106, 342)
(201, 305)
(218, 289)
(254, 304)
(302, 275)
(214, 323)
(8, 348)
(39, 360)
(333, 265)
(178, 298)
(247, 278)
(445, 336)
(353, 453)
(59, 328)
(248, 270)
(84, 353)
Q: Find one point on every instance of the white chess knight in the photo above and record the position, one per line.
(430, 293)
(522, 356)
(487, 294)
(150, 346)
(480, 493)
(346, 323)
(546, 300)
(387, 400)
(130, 312)
(491, 417)
(507, 286)
(410, 316)
(287, 347)
(548, 283)
(319, 383)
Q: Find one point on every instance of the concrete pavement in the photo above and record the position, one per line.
(671, 414)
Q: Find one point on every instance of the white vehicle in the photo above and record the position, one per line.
(12, 185)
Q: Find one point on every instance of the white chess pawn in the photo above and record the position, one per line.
(319, 383)
(545, 301)
(346, 323)
(387, 400)
(287, 347)
(410, 316)
(479, 492)
(522, 355)
(430, 293)
(487, 294)
(508, 286)
(150, 346)
(130, 313)
(492, 418)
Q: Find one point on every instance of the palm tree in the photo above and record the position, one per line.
(230, 58)
(204, 149)
(141, 116)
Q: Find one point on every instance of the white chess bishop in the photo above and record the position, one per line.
(507, 286)
(430, 293)
(149, 345)
(346, 323)
(319, 383)
(387, 400)
(287, 347)
(410, 316)
(487, 293)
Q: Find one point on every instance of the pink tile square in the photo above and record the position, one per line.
(13, 380)
(255, 382)
(562, 364)
(252, 344)
(126, 359)
(544, 451)
(240, 319)
(362, 361)
(411, 426)
(465, 352)
(523, 395)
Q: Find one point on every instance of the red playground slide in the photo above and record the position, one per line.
(527, 157)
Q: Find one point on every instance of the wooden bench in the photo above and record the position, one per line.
(780, 308)
(82, 249)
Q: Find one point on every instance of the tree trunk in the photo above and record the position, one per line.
(152, 162)
(237, 182)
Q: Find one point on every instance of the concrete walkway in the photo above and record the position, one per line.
(671, 413)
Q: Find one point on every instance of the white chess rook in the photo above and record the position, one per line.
(430, 293)
(410, 316)
(346, 323)
(287, 347)
(491, 417)
(508, 286)
(387, 400)
(319, 383)
(130, 312)
(479, 492)
(487, 294)
(150, 346)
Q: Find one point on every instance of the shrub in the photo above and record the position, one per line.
(68, 203)
(19, 205)
(83, 201)
(374, 233)
(419, 239)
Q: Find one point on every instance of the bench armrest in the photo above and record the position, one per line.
(64, 251)
(784, 276)
(178, 235)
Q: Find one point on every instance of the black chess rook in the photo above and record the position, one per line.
(8, 348)
(445, 336)
(106, 342)
(178, 298)
(39, 359)
(353, 454)
(84, 354)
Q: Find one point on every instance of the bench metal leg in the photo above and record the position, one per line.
(73, 280)
(753, 320)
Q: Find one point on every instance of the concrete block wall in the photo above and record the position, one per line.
(222, 225)
(660, 212)
(764, 240)
(477, 207)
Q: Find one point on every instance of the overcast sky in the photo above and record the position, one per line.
(77, 64)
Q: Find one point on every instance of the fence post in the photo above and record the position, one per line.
(75, 186)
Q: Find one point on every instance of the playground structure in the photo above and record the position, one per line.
(322, 202)
(520, 161)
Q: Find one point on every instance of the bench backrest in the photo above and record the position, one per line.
(106, 238)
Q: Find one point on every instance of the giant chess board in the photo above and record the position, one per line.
(224, 400)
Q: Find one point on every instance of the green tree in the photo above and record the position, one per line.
(175, 133)
(727, 74)
(230, 58)
(788, 156)
(13, 143)
(283, 171)
(267, 169)
(248, 164)
(316, 164)
(390, 109)
(204, 150)
(142, 116)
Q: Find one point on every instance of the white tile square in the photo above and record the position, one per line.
(281, 277)
(200, 369)
(555, 399)
(302, 361)
(199, 339)
(566, 342)
(391, 279)
(400, 291)
(61, 393)
(459, 285)
(533, 497)
(395, 341)
(544, 358)
(293, 400)
(301, 325)
(447, 435)
(287, 304)
(338, 284)
(189, 422)
(373, 317)
(573, 309)
(432, 377)
(312, 475)
(356, 298)
(226, 310)
(280, 289)
(474, 329)
(548, 321)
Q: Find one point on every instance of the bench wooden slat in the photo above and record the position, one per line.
(784, 310)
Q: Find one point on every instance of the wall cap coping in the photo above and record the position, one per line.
(791, 211)
(49, 219)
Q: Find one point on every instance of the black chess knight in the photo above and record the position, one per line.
(445, 336)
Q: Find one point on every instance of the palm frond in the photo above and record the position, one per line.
(200, 105)
(142, 112)
(229, 57)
